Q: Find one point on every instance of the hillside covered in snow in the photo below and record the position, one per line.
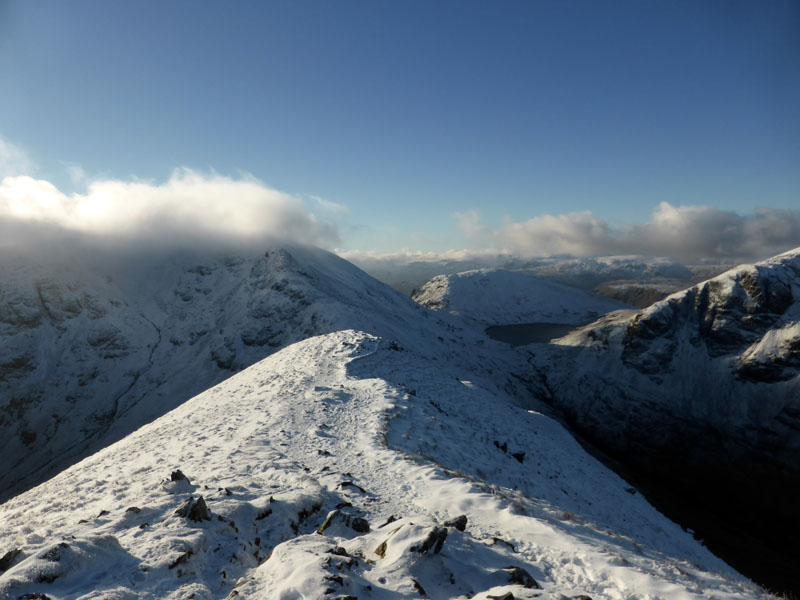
(349, 466)
(702, 391)
(498, 296)
(94, 345)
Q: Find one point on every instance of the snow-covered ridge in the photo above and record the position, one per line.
(93, 348)
(497, 296)
(341, 467)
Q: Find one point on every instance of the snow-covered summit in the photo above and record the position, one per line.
(348, 466)
(92, 347)
(498, 296)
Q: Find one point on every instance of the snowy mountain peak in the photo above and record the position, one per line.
(95, 348)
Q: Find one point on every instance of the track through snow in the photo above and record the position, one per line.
(352, 423)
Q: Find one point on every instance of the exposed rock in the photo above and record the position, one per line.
(199, 511)
(181, 559)
(381, 549)
(434, 541)
(263, 514)
(54, 553)
(345, 484)
(360, 525)
(391, 519)
(184, 508)
(506, 596)
(355, 523)
(520, 576)
(7, 561)
(194, 510)
(420, 590)
(460, 522)
(177, 475)
(497, 540)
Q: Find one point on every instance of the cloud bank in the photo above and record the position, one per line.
(190, 208)
(688, 233)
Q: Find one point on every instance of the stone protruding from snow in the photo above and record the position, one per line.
(194, 510)
(460, 522)
(433, 541)
(350, 523)
(520, 576)
(8, 559)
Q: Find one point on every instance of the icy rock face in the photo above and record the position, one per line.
(93, 349)
(497, 296)
(711, 373)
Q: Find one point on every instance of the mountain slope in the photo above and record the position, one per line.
(723, 355)
(351, 423)
(701, 394)
(97, 346)
(508, 297)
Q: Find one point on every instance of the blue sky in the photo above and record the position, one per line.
(409, 113)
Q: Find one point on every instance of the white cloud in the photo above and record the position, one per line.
(685, 233)
(547, 235)
(407, 256)
(76, 173)
(330, 206)
(13, 159)
(688, 233)
(471, 225)
(189, 208)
